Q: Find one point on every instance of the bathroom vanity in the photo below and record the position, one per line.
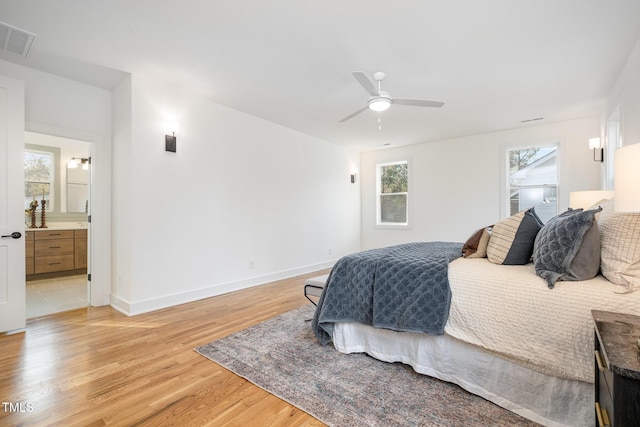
(57, 251)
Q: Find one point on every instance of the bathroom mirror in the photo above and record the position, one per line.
(78, 186)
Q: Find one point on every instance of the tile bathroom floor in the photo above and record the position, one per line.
(49, 296)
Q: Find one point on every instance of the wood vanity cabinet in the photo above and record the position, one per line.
(80, 249)
(55, 251)
(28, 246)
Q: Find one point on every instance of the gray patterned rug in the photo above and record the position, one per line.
(282, 356)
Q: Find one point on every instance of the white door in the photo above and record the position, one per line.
(12, 262)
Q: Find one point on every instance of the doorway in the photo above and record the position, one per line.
(57, 203)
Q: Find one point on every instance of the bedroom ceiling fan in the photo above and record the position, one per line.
(381, 100)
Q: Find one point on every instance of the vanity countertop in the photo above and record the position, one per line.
(61, 226)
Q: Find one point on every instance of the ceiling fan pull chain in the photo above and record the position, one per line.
(379, 121)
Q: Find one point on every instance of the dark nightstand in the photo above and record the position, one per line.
(617, 369)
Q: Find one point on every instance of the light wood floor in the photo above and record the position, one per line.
(95, 366)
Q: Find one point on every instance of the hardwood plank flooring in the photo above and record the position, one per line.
(95, 366)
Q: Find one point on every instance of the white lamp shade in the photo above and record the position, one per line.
(627, 178)
(588, 199)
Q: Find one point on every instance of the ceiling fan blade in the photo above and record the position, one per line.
(352, 115)
(365, 83)
(418, 102)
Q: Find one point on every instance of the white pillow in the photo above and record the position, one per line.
(620, 247)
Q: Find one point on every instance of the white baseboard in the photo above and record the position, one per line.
(139, 307)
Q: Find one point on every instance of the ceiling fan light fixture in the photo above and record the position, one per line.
(379, 104)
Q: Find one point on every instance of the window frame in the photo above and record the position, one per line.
(505, 199)
(378, 194)
(613, 142)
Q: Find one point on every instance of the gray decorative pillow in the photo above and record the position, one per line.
(568, 247)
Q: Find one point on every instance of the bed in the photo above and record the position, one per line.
(519, 335)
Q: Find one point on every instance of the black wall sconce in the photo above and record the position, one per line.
(170, 140)
(598, 150)
(354, 174)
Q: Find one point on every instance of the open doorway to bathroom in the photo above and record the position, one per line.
(57, 200)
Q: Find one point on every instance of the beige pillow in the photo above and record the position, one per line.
(476, 245)
(481, 251)
(620, 247)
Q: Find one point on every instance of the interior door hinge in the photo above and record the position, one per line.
(89, 277)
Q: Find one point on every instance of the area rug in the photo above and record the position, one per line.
(283, 357)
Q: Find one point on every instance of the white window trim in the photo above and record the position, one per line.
(388, 225)
(613, 141)
(505, 208)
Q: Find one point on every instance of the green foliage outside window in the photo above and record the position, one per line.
(394, 178)
(394, 186)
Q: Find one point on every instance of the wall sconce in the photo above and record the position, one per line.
(594, 144)
(170, 140)
(77, 161)
(354, 174)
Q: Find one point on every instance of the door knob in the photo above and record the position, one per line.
(15, 235)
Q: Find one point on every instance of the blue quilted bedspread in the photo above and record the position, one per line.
(403, 288)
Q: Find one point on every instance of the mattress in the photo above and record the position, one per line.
(511, 311)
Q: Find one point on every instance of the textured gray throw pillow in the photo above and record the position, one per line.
(568, 247)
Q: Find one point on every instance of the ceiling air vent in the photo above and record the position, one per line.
(15, 40)
(531, 120)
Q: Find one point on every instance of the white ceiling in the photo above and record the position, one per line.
(493, 62)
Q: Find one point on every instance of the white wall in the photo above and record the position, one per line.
(242, 201)
(66, 108)
(626, 94)
(456, 184)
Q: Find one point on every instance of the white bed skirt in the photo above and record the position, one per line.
(539, 397)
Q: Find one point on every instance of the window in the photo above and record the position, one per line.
(392, 194)
(38, 178)
(533, 180)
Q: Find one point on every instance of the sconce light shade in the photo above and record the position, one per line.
(588, 199)
(594, 144)
(170, 143)
(171, 127)
(354, 174)
(627, 178)
(77, 161)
